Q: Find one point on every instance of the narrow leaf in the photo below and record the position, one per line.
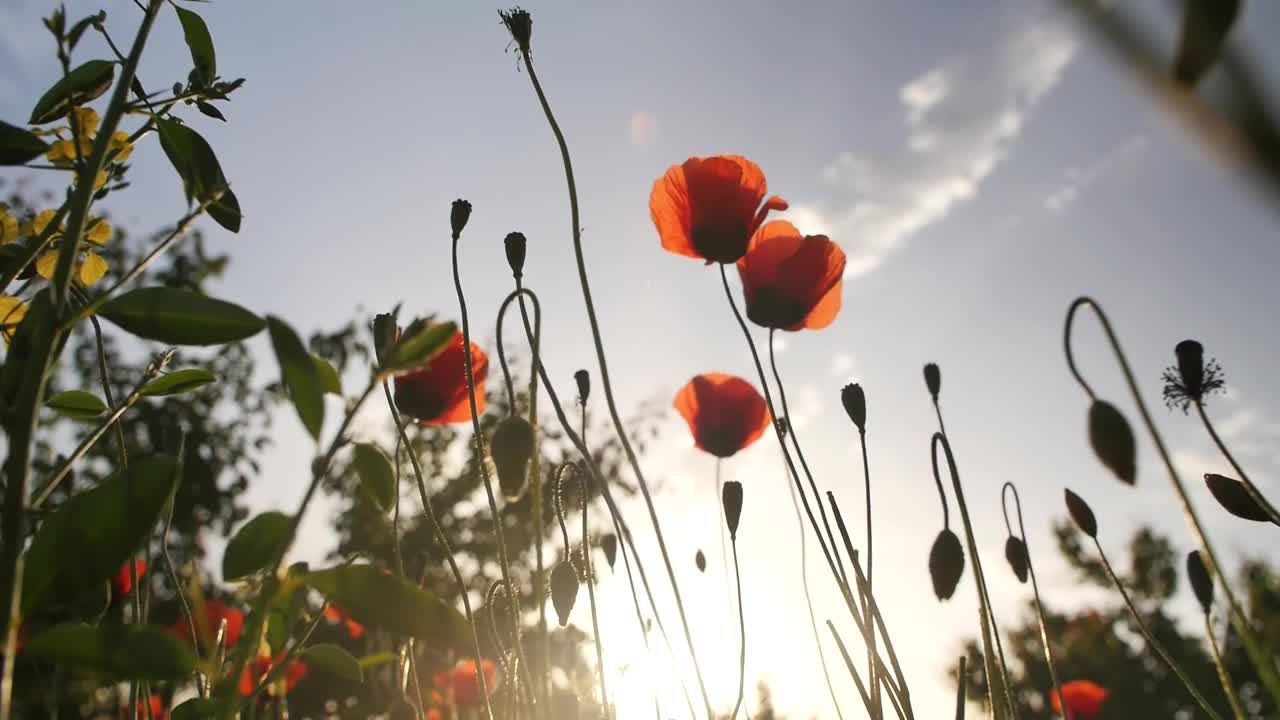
(81, 85)
(298, 373)
(256, 546)
(377, 476)
(180, 317)
(329, 379)
(200, 43)
(197, 165)
(375, 598)
(421, 341)
(18, 145)
(334, 660)
(77, 404)
(179, 382)
(376, 660)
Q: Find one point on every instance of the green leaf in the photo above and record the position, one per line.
(226, 211)
(377, 477)
(18, 145)
(257, 545)
(298, 373)
(1205, 27)
(197, 709)
(138, 652)
(180, 317)
(99, 529)
(421, 341)
(81, 85)
(201, 174)
(200, 43)
(179, 382)
(329, 379)
(334, 660)
(376, 660)
(375, 598)
(210, 110)
(77, 404)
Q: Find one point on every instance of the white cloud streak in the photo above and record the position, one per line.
(1076, 180)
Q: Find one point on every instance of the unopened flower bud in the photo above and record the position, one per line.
(511, 448)
(1191, 366)
(515, 243)
(583, 378)
(855, 403)
(384, 335)
(1201, 580)
(609, 543)
(1082, 514)
(564, 591)
(946, 564)
(732, 497)
(933, 379)
(459, 214)
(700, 561)
(1234, 497)
(1015, 552)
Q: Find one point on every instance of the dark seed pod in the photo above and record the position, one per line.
(933, 380)
(511, 447)
(1112, 441)
(384, 335)
(583, 378)
(1191, 366)
(732, 497)
(459, 214)
(946, 564)
(1081, 514)
(609, 543)
(700, 560)
(1232, 495)
(1201, 581)
(855, 404)
(1015, 551)
(515, 244)
(564, 590)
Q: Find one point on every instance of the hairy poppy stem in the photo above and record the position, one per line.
(398, 557)
(742, 631)
(808, 599)
(591, 596)
(1252, 489)
(1262, 661)
(1151, 639)
(604, 372)
(1224, 675)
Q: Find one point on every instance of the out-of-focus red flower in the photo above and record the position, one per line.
(460, 683)
(791, 281)
(122, 583)
(1084, 699)
(255, 671)
(708, 208)
(432, 714)
(437, 393)
(215, 611)
(158, 710)
(334, 615)
(725, 413)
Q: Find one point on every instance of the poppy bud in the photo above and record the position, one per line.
(1232, 495)
(732, 497)
(1015, 551)
(1112, 441)
(855, 403)
(515, 244)
(1191, 366)
(1081, 514)
(933, 379)
(564, 590)
(700, 560)
(1201, 581)
(946, 564)
(384, 335)
(782, 425)
(609, 543)
(511, 447)
(459, 214)
(519, 24)
(583, 378)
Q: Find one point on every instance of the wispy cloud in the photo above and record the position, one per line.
(961, 119)
(1077, 179)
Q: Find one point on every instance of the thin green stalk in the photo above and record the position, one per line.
(808, 600)
(1263, 662)
(742, 632)
(960, 681)
(853, 670)
(539, 526)
(1252, 489)
(724, 548)
(591, 596)
(1151, 639)
(1224, 676)
(172, 571)
(107, 395)
(1035, 587)
(398, 557)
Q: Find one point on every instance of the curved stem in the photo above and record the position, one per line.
(539, 526)
(105, 377)
(742, 632)
(1035, 587)
(1224, 676)
(1263, 662)
(1252, 489)
(1151, 639)
(808, 600)
(398, 558)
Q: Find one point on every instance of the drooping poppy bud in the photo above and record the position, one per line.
(700, 561)
(933, 380)
(855, 403)
(1234, 497)
(564, 590)
(609, 543)
(1015, 551)
(515, 244)
(946, 564)
(459, 214)
(583, 378)
(1112, 441)
(519, 24)
(1081, 513)
(731, 495)
(1201, 581)
(511, 447)
(384, 335)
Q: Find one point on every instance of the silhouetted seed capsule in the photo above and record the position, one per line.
(583, 378)
(1015, 551)
(519, 24)
(732, 497)
(855, 404)
(609, 543)
(515, 244)
(1232, 495)
(564, 591)
(1201, 581)
(1191, 366)
(1112, 441)
(511, 447)
(1081, 514)
(933, 380)
(946, 564)
(782, 426)
(459, 214)
(384, 335)
(700, 560)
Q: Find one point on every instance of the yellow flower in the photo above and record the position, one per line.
(87, 119)
(45, 265)
(99, 231)
(37, 224)
(88, 271)
(120, 142)
(12, 310)
(8, 225)
(63, 152)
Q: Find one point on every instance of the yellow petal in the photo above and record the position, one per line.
(99, 231)
(61, 152)
(12, 310)
(120, 143)
(92, 269)
(45, 265)
(87, 119)
(39, 222)
(8, 227)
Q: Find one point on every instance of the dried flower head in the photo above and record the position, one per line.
(519, 24)
(855, 404)
(459, 214)
(515, 244)
(1192, 379)
(933, 380)
(583, 379)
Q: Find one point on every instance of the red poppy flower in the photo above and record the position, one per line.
(261, 665)
(333, 614)
(460, 683)
(725, 413)
(1084, 699)
(791, 281)
(122, 583)
(215, 611)
(709, 208)
(158, 711)
(437, 393)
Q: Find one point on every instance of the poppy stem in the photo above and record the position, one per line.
(853, 670)
(1262, 661)
(1224, 675)
(1252, 489)
(960, 682)
(576, 228)
(1151, 639)
(1035, 586)
(742, 630)
(724, 549)
(591, 596)
(398, 558)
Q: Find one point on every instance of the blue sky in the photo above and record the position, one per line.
(982, 164)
